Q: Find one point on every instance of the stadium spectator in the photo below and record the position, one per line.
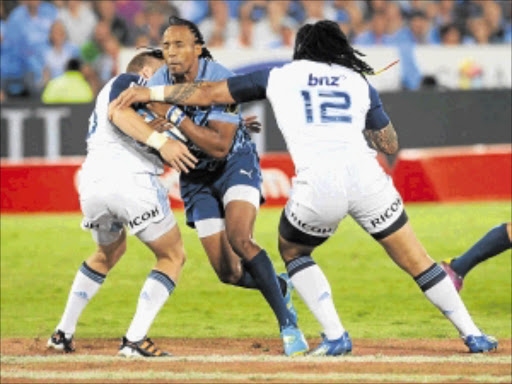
(107, 13)
(479, 31)
(420, 29)
(79, 20)
(450, 35)
(26, 39)
(288, 30)
(494, 19)
(155, 23)
(260, 22)
(71, 87)
(107, 63)
(128, 9)
(376, 35)
(58, 55)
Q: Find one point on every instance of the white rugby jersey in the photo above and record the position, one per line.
(110, 150)
(320, 109)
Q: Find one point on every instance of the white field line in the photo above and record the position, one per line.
(237, 377)
(469, 359)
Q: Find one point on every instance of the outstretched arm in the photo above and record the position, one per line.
(235, 90)
(201, 94)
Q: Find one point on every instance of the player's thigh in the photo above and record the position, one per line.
(225, 262)
(406, 250)
(383, 216)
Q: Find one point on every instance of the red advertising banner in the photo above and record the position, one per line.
(448, 174)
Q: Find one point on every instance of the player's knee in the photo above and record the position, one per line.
(228, 277)
(241, 243)
(176, 255)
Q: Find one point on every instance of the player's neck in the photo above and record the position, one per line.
(188, 77)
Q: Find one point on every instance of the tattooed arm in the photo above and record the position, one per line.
(384, 140)
(201, 94)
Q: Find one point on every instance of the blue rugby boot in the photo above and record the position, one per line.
(341, 346)
(288, 297)
(482, 343)
(293, 341)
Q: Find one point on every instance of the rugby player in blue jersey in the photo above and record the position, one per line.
(325, 107)
(222, 193)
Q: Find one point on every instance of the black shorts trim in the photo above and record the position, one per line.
(399, 223)
(294, 235)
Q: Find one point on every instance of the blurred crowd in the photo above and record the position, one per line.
(39, 38)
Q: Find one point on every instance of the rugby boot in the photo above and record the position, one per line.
(142, 348)
(337, 347)
(60, 342)
(484, 343)
(455, 278)
(288, 297)
(294, 342)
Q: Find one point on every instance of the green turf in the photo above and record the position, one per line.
(40, 256)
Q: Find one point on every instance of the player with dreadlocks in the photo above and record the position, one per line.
(222, 194)
(325, 107)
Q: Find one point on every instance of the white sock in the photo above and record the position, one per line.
(439, 290)
(314, 289)
(154, 294)
(87, 282)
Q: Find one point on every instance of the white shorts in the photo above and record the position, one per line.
(319, 200)
(138, 201)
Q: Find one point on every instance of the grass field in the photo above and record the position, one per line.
(40, 255)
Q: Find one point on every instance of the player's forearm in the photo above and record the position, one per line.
(200, 93)
(209, 139)
(128, 121)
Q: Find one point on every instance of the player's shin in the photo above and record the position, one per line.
(86, 284)
(439, 290)
(261, 269)
(315, 290)
(155, 292)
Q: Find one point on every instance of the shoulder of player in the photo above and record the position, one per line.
(215, 71)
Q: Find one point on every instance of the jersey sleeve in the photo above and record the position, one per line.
(376, 117)
(225, 113)
(124, 81)
(249, 87)
(159, 78)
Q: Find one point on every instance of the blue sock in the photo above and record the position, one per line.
(493, 243)
(247, 281)
(263, 273)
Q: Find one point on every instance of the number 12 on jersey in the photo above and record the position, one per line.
(332, 107)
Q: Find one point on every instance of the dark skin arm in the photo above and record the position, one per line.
(384, 140)
(215, 138)
(200, 94)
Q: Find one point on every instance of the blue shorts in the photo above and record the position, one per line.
(202, 191)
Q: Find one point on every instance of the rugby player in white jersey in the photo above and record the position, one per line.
(325, 107)
(119, 187)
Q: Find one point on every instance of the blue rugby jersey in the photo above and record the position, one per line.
(209, 71)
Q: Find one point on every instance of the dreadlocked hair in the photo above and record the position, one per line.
(325, 42)
(199, 39)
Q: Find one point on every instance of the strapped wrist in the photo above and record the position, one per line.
(157, 93)
(156, 140)
(175, 115)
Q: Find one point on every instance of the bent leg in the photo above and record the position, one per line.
(496, 241)
(240, 218)
(408, 253)
(161, 281)
(308, 278)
